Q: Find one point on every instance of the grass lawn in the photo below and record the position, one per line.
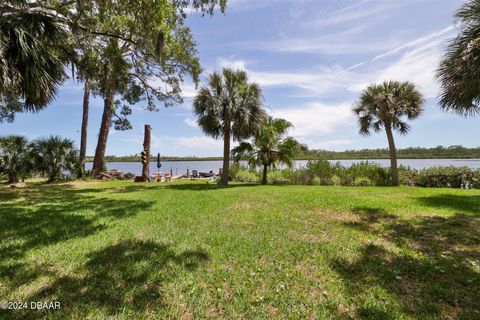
(190, 250)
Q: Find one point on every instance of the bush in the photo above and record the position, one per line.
(286, 176)
(322, 170)
(246, 176)
(363, 173)
(365, 170)
(407, 176)
(242, 174)
(448, 177)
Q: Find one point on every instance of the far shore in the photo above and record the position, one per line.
(133, 159)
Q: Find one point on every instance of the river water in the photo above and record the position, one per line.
(180, 167)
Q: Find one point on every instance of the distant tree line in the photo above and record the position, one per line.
(439, 152)
(455, 151)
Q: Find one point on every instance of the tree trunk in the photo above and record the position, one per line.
(146, 148)
(393, 155)
(264, 178)
(98, 161)
(12, 178)
(83, 137)
(226, 156)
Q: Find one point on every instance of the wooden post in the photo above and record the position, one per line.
(146, 148)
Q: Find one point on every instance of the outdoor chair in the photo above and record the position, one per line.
(194, 174)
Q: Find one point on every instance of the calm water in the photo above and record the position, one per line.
(180, 167)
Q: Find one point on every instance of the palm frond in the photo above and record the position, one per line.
(459, 70)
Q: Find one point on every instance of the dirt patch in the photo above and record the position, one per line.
(242, 206)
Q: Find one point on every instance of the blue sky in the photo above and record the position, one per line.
(311, 58)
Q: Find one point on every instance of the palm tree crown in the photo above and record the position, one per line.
(385, 107)
(54, 156)
(459, 70)
(270, 146)
(31, 61)
(229, 107)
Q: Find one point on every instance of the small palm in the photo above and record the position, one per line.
(270, 146)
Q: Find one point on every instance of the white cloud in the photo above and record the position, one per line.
(328, 144)
(191, 122)
(232, 63)
(189, 90)
(170, 143)
(199, 142)
(315, 118)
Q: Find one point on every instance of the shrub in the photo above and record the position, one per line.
(233, 171)
(323, 170)
(244, 175)
(407, 176)
(448, 177)
(286, 176)
(376, 174)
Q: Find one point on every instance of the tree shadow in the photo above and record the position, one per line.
(37, 218)
(433, 270)
(125, 277)
(206, 186)
(469, 204)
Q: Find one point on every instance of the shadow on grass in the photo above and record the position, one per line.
(433, 273)
(206, 186)
(126, 278)
(461, 203)
(35, 218)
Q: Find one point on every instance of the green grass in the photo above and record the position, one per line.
(192, 251)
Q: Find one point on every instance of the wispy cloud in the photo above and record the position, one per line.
(191, 122)
(415, 60)
(431, 40)
(355, 13)
(336, 144)
(172, 143)
(338, 43)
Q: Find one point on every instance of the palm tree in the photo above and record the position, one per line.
(54, 156)
(229, 107)
(13, 157)
(83, 134)
(31, 61)
(269, 147)
(384, 106)
(459, 70)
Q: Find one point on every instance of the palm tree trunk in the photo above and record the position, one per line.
(393, 155)
(226, 156)
(83, 137)
(98, 161)
(264, 178)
